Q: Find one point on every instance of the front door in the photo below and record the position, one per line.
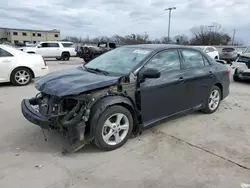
(198, 77)
(163, 96)
(43, 49)
(7, 61)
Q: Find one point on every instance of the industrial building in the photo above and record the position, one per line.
(28, 35)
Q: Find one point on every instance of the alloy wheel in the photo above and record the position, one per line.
(115, 129)
(214, 99)
(22, 77)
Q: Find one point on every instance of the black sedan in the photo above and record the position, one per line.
(126, 90)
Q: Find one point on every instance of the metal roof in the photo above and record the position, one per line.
(17, 29)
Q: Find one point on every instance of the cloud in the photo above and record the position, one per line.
(110, 17)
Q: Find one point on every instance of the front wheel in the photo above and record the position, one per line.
(213, 100)
(65, 56)
(114, 128)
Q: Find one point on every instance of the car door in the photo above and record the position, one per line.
(163, 96)
(54, 49)
(43, 49)
(198, 77)
(7, 61)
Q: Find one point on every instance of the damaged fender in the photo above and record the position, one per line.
(99, 107)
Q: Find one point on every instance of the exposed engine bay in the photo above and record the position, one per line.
(71, 115)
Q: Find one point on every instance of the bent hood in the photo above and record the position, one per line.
(72, 82)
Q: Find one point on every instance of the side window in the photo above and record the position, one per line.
(165, 61)
(192, 59)
(211, 49)
(4, 53)
(53, 45)
(44, 45)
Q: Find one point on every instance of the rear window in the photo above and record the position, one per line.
(67, 45)
(228, 49)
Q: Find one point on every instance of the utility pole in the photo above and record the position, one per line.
(210, 32)
(169, 19)
(233, 37)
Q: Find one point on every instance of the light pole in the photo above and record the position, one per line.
(233, 37)
(211, 38)
(169, 19)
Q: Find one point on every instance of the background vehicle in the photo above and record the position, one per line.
(229, 54)
(59, 50)
(210, 50)
(242, 66)
(90, 52)
(125, 90)
(19, 67)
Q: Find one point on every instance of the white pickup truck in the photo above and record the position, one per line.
(59, 50)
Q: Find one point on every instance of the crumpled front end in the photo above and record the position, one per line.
(66, 115)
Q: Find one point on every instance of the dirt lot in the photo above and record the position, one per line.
(196, 150)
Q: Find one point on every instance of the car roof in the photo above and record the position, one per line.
(157, 46)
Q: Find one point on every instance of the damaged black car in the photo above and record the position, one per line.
(125, 90)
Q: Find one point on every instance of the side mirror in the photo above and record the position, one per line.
(151, 73)
(39, 46)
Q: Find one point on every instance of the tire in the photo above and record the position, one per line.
(208, 108)
(65, 56)
(58, 58)
(235, 76)
(111, 143)
(18, 73)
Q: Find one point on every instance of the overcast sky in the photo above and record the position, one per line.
(109, 17)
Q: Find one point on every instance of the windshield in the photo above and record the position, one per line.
(119, 61)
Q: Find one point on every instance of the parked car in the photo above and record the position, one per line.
(90, 52)
(126, 90)
(229, 54)
(210, 50)
(59, 50)
(20, 68)
(242, 66)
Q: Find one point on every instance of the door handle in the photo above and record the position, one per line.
(6, 61)
(210, 73)
(181, 79)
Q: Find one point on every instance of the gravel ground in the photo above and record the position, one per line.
(196, 150)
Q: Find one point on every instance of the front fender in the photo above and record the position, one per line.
(99, 107)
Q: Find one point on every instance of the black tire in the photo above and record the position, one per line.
(98, 138)
(207, 109)
(235, 76)
(58, 58)
(65, 56)
(14, 79)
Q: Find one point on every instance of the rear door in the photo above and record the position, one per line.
(163, 96)
(54, 49)
(7, 62)
(198, 77)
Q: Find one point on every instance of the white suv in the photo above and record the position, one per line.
(59, 50)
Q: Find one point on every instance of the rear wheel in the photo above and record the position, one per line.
(213, 100)
(21, 77)
(114, 127)
(65, 56)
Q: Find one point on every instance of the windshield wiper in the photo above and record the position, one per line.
(96, 70)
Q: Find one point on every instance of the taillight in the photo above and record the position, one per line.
(45, 64)
(228, 71)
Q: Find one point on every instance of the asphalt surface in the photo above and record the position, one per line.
(196, 150)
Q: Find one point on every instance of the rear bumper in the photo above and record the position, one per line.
(33, 116)
(41, 71)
